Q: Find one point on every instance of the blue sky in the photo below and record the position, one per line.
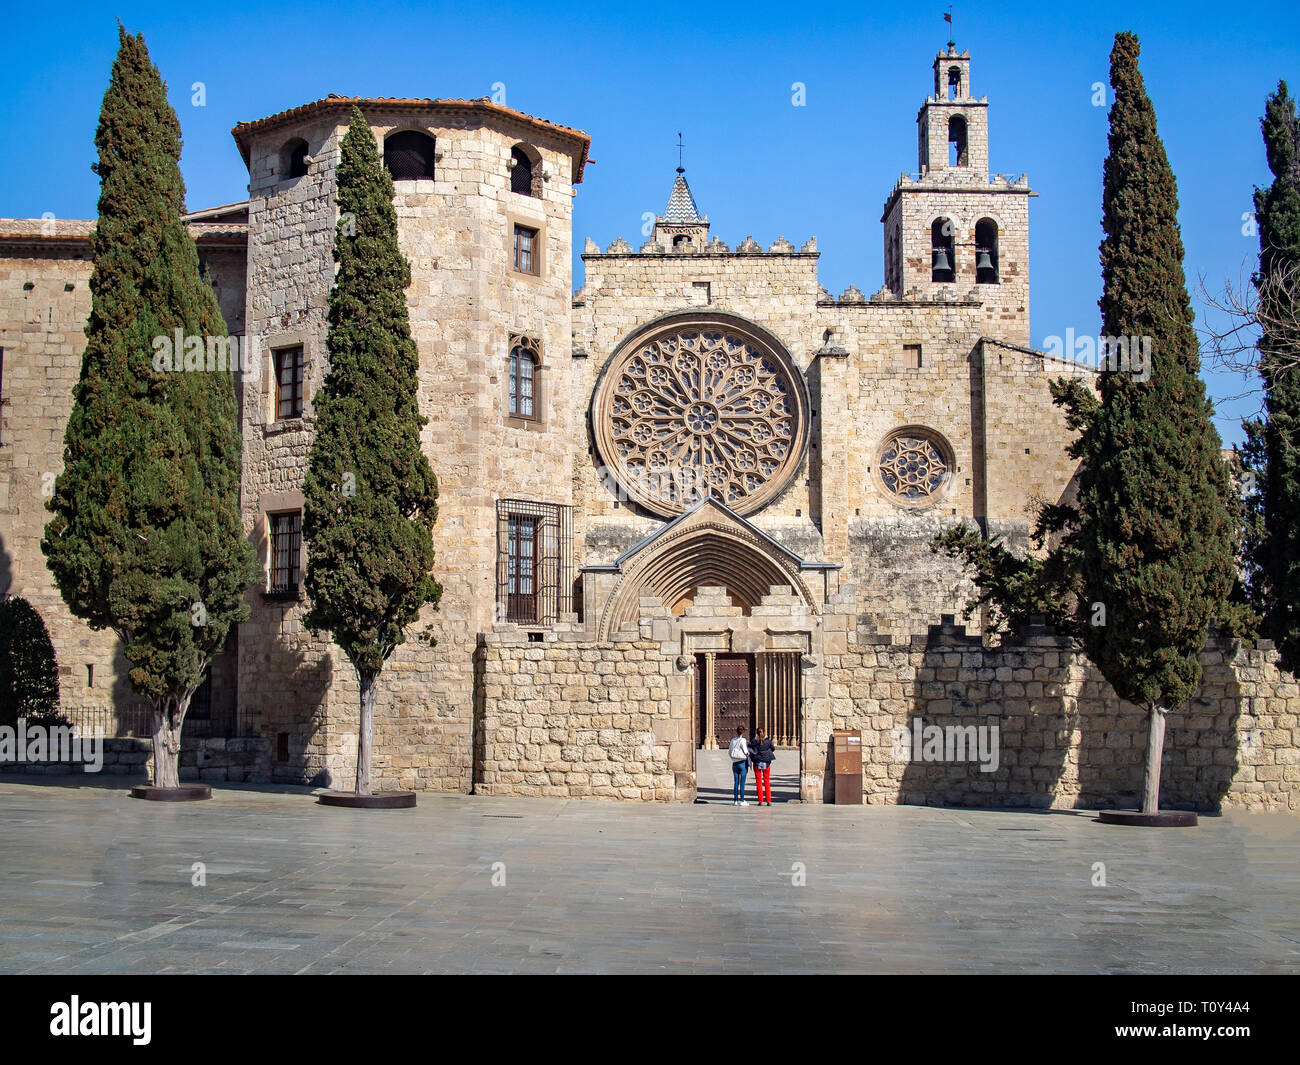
(722, 75)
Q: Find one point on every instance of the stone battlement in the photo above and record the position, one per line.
(619, 248)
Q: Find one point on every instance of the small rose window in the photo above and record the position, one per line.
(915, 466)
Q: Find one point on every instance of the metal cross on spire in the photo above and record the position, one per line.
(680, 169)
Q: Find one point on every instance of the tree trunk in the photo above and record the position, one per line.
(168, 718)
(1155, 749)
(365, 732)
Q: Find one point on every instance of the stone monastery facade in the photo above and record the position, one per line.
(696, 493)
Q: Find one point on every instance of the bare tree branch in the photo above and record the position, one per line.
(1253, 308)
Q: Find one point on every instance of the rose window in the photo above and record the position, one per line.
(914, 466)
(701, 411)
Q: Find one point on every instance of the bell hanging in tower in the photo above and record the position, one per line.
(983, 261)
(941, 259)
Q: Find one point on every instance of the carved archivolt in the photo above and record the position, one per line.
(706, 553)
(693, 407)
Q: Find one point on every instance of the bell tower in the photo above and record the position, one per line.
(951, 230)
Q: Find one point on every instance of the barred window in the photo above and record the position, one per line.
(410, 155)
(534, 561)
(521, 172)
(286, 552)
(525, 250)
(524, 364)
(288, 383)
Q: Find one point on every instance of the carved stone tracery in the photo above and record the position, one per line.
(699, 410)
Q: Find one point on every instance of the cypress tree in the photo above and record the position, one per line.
(146, 536)
(1274, 446)
(1145, 558)
(370, 496)
(1155, 533)
(29, 672)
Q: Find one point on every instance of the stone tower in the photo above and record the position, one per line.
(681, 225)
(951, 230)
(484, 201)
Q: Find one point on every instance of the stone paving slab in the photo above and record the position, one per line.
(92, 881)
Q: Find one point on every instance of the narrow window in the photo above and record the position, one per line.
(525, 250)
(410, 155)
(957, 155)
(986, 252)
(912, 356)
(701, 293)
(201, 701)
(943, 267)
(524, 361)
(521, 172)
(297, 159)
(286, 552)
(954, 83)
(521, 570)
(288, 383)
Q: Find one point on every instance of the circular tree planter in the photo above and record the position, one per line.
(384, 800)
(1161, 819)
(185, 793)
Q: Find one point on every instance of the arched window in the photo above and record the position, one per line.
(409, 155)
(521, 172)
(986, 252)
(681, 240)
(954, 83)
(293, 158)
(957, 141)
(943, 265)
(524, 359)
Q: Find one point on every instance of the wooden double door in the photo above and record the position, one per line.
(748, 692)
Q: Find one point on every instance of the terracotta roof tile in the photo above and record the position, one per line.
(244, 130)
(78, 230)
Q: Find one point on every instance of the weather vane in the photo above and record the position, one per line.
(680, 169)
(948, 19)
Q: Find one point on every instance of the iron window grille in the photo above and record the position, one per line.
(288, 383)
(521, 172)
(534, 561)
(410, 156)
(286, 553)
(524, 363)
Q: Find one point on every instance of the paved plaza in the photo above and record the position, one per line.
(92, 881)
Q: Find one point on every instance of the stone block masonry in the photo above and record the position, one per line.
(580, 720)
(244, 760)
(1065, 739)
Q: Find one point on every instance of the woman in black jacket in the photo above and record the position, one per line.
(762, 754)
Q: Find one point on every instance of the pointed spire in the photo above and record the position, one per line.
(681, 209)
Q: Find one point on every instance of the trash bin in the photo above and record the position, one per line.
(846, 749)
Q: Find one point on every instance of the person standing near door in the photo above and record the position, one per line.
(762, 754)
(739, 751)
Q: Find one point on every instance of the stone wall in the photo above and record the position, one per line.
(577, 720)
(1065, 738)
(245, 759)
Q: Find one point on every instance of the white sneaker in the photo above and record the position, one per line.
(743, 802)
(734, 803)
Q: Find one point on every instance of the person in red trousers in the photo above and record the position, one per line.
(762, 754)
